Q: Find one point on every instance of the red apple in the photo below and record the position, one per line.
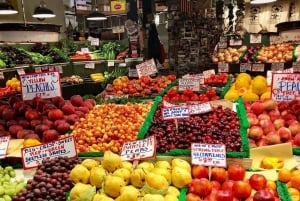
(269, 104)
(252, 143)
(241, 189)
(263, 116)
(193, 197)
(273, 138)
(215, 185)
(32, 114)
(258, 181)
(278, 123)
(55, 114)
(224, 195)
(297, 139)
(274, 114)
(267, 126)
(261, 142)
(263, 195)
(9, 114)
(202, 186)
(255, 132)
(199, 171)
(294, 128)
(257, 108)
(218, 174)
(227, 185)
(253, 120)
(236, 172)
(285, 134)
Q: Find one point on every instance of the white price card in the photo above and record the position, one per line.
(200, 108)
(4, 141)
(132, 72)
(51, 68)
(146, 68)
(208, 154)
(244, 67)
(192, 84)
(38, 69)
(95, 42)
(208, 73)
(21, 71)
(1, 75)
(108, 96)
(45, 68)
(33, 156)
(223, 68)
(296, 67)
(89, 66)
(255, 38)
(285, 86)
(277, 66)
(140, 149)
(175, 112)
(85, 50)
(110, 63)
(258, 67)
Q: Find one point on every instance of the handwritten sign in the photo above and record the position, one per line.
(200, 108)
(258, 67)
(192, 84)
(175, 112)
(223, 68)
(208, 154)
(285, 86)
(95, 42)
(111, 63)
(108, 96)
(33, 156)
(4, 141)
(44, 85)
(208, 73)
(277, 66)
(244, 67)
(146, 68)
(89, 66)
(21, 71)
(140, 149)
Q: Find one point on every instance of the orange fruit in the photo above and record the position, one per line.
(295, 181)
(272, 185)
(289, 184)
(284, 175)
(293, 191)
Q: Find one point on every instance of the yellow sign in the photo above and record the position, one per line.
(118, 5)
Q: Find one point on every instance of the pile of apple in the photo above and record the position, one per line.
(229, 185)
(108, 126)
(273, 122)
(41, 119)
(188, 95)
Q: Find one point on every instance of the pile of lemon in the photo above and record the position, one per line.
(249, 89)
(14, 83)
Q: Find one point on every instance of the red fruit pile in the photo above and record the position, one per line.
(188, 95)
(273, 122)
(7, 91)
(229, 185)
(216, 79)
(41, 119)
(220, 126)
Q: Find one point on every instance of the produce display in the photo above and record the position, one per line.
(95, 55)
(97, 77)
(218, 126)
(117, 180)
(228, 55)
(230, 185)
(188, 95)
(73, 79)
(57, 54)
(14, 83)
(291, 178)
(7, 91)
(249, 89)
(108, 126)
(215, 79)
(273, 122)
(275, 53)
(249, 56)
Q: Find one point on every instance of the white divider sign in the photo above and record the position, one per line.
(146, 68)
(44, 85)
(33, 156)
(200, 108)
(140, 149)
(175, 112)
(285, 86)
(4, 141)
(192, 84)
(208, 154)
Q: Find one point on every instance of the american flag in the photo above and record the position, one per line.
(186, 6)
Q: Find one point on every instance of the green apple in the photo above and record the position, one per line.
(7, 198)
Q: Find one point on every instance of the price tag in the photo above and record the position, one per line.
(296, 67)
(277, 66)
(255, 38)
(258, 67)
(192, 84)
(235, 42)
(132, 72)
(122, 65)
(4, 141)
(140, 149)
(168, 104)
(85, 50)
(146, 68)
(51, 68)
(223, 68)
(1, 76)
(110, 63)
(285, 86)
(208, 73)
(200, 108)
(244, 67)
(208, 154)
(33, 156)
(45, 68)
(222, 43)
(38, 69)
(95, 41)
(21, 71)
(89, 66)
(175, 112)
(108, 97)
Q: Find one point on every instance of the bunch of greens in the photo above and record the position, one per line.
(68, 46)
(111, 49)
(57, 55)
(13, 56)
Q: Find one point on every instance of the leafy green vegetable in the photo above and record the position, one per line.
(2, 64)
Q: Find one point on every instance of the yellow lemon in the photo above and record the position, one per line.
(260, 77)
(245, 76)
(241, 83)
(265, 95)
(231, 95)
(250, 96)
(259, 87)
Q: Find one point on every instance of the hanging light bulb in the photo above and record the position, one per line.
(7, 9)
(261, 1)
(43, 12)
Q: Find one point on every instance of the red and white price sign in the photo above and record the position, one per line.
(146, 68)
(200, 108)
(192, 84)
(258, 67)
(140, 149)
(4, 141)
(223, 68)
(208, 73)
(208, 154)
(33, 156)
(285, 86)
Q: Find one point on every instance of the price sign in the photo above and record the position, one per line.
(296, 67)
(45, 68)
(1, 76)
(59, 69)
(45, 85)
(33, 156)
(285, 86)
(188, 84)
(255, 38)
(208, 154)
(244, 67)
(258, 67)
(85, 50)
(277, 66)
(146, 68)
(175, 112)
(122, 65)
(200, 108)
(110, 63)
(51, 68)
(208, 73)
(38, 69)
(4, 141)
(223, 68)
(168, 104)
(140, 149)
(95, 41)
(132, 72)
(108, 97)
(235, 42)
(21, 71)
(89, 66)
(222, 43)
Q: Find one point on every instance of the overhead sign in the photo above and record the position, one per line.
(140, 149)
(44, 85)
(193, 84)
(175, 112)
(285, 86)
(4, 141)
(33, 156)
(200, 108)
(146, 68)
(208, 154)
